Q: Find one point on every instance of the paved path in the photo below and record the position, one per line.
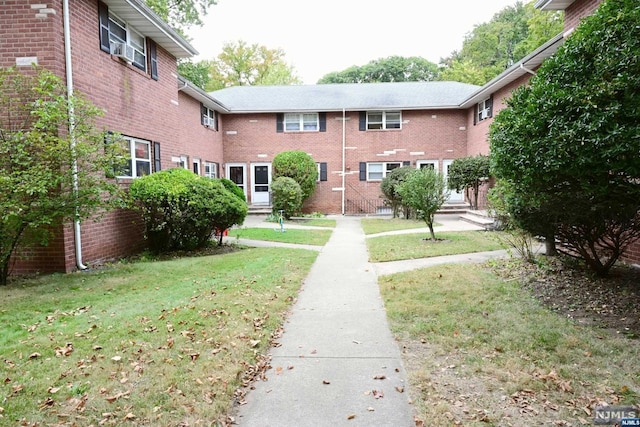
(337, 363)
(336, 342)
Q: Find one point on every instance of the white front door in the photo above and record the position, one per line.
(237, 172)
(454, 196)
(260, 183)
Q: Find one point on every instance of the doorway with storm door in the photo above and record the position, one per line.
(260, 183)
(237, 172)
(454, 196)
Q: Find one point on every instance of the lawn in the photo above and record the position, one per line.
(481, 351)
(413, 246)
(313, 222)
(161, 343)
(291, 235)
(380, 225)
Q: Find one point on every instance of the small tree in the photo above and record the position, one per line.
(47, 175)
(425, 191)
(468, 174)
(287, 196)
(389, 187)
(299, 166)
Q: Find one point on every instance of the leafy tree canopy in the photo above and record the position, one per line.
(468, 173)
(196, 72)
(492, 47)
(241, 64)
(568, 144)
(181, 14)
(391, 69)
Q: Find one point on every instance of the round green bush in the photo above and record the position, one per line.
(287, 196)
(181, 210)
(298, 166)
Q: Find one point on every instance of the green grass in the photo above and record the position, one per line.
(291, 235)
(314, 222)
(159, 343)
(413, 246)
(379, 225)
(489, 340)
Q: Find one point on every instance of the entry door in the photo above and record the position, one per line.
(237, 172)
(454, 196)
(260, 179)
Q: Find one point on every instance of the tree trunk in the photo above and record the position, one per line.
(550, 245)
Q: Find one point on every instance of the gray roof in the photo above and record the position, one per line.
(348, 96)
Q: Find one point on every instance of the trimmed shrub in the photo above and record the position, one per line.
(287, 196)
(181, 210)
(389, 187)
(233, 188)
(298, 166)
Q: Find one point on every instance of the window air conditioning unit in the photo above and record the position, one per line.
(484, 114)
(207, 121)
(123, 51)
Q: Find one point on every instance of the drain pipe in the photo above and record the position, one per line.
(344, 149)
(72, 139)
(522, 67)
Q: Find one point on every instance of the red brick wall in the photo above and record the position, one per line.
(578, 10)
(438, 135)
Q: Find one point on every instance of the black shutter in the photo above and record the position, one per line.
(363, 171)
(323, 171)
(218, 173)
(157, 164)
(406, 163)
(363, 120)
(475, 114)
(279, 122)
(323, 122)
(153, 59)
(203, 112)
(103, 23)
(490, 106)
(215, 120)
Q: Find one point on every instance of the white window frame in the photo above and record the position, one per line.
(387, 120)
(384, 169)
(421, 163)
(483, 109)
(210, 170)
(301, 122)
(196, 164)
(140, 56)
(134, 170)
(210, 114)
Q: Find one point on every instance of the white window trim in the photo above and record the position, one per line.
(196, 164)
(483, 110)
(132, 156)
(211, 117)
(384, 120)
(210, 170)
(385, 169)
(128, 30)
(289, 119)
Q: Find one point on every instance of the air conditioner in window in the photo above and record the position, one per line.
(484, 114)
(123, 50)
(207, 121)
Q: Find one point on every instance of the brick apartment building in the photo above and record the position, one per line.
(123, 57)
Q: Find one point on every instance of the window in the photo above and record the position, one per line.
(383, 120)
(305, 122)
(208, 118)
(210, 170)
(139, 162)
(120, 32)
(377, 171)
(196, 166)
(484, 110)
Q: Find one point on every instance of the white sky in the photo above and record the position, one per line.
(331, 35)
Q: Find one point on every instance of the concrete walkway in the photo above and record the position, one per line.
(337, 363)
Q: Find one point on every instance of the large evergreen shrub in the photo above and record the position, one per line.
(287, 196)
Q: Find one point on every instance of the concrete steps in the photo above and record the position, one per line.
(480, 218)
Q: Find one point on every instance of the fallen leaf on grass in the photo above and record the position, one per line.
(34, 355)
(326, 382)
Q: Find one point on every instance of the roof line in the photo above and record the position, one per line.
(199, 95)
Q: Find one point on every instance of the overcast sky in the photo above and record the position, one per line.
(331, 35)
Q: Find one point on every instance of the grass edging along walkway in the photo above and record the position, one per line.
(291, 235)
(160, 343)
(413, 246)
(480, 350)
(381, 225)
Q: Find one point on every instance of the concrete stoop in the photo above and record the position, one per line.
(480, 218)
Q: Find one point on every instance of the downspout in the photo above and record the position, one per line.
(344, 149)
(72, 139)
